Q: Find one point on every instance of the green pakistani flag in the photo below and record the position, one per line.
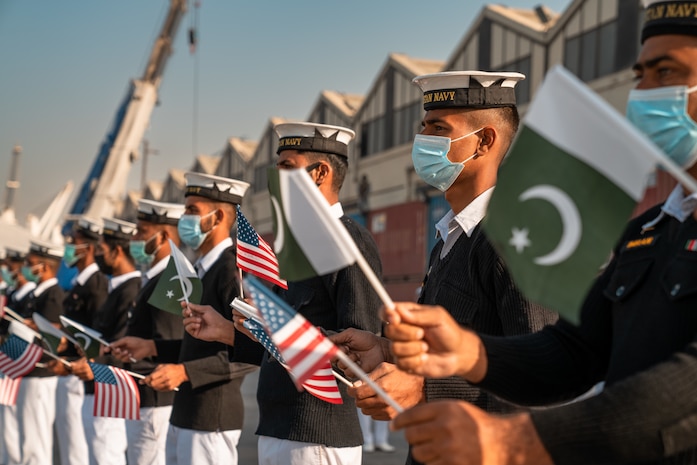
(565, 192)
(309, 239)
(50, 334)
(86, 338)
(178, 283)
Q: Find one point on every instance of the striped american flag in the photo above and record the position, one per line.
(303, 347)
(115, 393)
(321, 384)
(18, 357)
(254, 255)
(9, 388)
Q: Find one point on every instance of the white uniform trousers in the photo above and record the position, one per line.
(72, 446)
(190, 447)
(36, 413)
(9, 447)
(374, 431)
(148, 436)
(106, 437)
(274, 451)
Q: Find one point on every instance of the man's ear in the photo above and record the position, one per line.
(487, 140)
(323, 171)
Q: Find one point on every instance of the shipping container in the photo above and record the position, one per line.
(400, 234)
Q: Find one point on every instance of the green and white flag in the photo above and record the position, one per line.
(565, 192)
(50, 334)
(309, 239)
(87, 339)
(178, 283)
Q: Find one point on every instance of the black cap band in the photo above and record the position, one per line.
(45, 252)
(213, 193)
(474, 97)
(88, 233)
(314, 144)
(157, 219)
(670, 18)
(117, 235)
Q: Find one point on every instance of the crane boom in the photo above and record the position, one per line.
(106, 182)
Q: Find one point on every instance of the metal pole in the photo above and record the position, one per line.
(13, 182)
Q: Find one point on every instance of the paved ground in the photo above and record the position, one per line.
(248, 442)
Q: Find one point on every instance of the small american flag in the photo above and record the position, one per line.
(115, 393)
(304, 348)
(321, 384)
(9, 388)
(254, 255)
(18, 357)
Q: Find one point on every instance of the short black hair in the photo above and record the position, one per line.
(338, 163)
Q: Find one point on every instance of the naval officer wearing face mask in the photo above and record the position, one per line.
(207, 412)
(470, 121)
(638, 328)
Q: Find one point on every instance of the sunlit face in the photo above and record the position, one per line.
(451, 123)
(669, 60)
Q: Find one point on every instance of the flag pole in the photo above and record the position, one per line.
(179, 271)
(342, 379)
(366, 379)
(56, 357)
(139, 376)
(374, 281)
(240, 283)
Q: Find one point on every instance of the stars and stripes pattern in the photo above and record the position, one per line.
(115, 393)
(254, 255)
(303, 347)
(9, 388)
(18, 357)
(321, 384)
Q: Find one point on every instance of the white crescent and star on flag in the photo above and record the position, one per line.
(279, 239)
(571, 225)
(188, 287)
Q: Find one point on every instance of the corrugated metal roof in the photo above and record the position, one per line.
(206, 164)
(243, 147)
(154, 188)
(416, 66)
(526, 17)
(347, 104)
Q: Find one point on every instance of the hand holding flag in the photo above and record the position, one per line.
(303, 347)
(321, 384)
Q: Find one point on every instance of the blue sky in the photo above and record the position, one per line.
(65, 66)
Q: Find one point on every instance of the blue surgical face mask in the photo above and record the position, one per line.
(139, 254)
(28, 273)
(70, 256)
(7, 276)
(662, 115)
(430, 157)
(189, 228)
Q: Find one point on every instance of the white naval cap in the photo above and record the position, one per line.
(15, 255)
(118, 229)
(215, 187)
(468, 89)
(159, 212)
(314, 137)
(45, 249)
(88, 227)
